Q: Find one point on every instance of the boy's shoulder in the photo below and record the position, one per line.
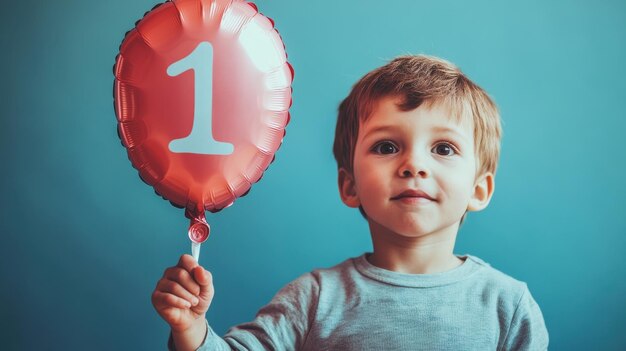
(492, 284)
(494, 275)
(339, 271)
(495, 278)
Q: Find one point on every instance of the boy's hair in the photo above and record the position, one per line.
(420, 80)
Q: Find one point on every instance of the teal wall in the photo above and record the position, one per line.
(84, 241)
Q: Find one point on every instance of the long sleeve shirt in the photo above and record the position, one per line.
(358, 306)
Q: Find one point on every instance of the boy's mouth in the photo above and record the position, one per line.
(411, 193)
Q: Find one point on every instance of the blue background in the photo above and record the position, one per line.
(84, 241)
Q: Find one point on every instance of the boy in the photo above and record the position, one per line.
(417, 145)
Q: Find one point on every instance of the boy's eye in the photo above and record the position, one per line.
(385, 148)
(443, 149)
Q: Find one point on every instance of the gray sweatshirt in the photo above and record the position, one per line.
(358, 306)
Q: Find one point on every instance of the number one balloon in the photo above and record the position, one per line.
(202, 92)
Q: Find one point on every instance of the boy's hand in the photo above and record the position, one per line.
(183, 295)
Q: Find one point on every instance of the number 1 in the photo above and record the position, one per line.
(200, 140)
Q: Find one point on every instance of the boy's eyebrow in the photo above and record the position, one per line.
(382, 128)
(450, 130)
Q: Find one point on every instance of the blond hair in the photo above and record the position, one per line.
(420, 79)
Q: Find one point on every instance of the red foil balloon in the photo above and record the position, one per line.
(202, 92)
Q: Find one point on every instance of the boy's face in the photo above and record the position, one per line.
(415, 171)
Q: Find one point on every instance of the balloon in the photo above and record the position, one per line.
(202, 92)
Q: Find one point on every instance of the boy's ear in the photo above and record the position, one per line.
(347, 189)
(483, 190)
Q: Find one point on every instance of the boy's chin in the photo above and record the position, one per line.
(412, 230)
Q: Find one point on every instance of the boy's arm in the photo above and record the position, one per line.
(527, 330)
(282, 324)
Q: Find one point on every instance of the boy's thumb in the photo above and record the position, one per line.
(205, 280)
(202, 276)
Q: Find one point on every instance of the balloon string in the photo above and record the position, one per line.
(195, 251)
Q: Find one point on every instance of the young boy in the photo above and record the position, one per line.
(417, 146)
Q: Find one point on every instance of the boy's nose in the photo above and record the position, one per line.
(409, 174)
(413, 169)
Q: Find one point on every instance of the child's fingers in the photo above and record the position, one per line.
(162, 300)
(168, 286)
(182, 277)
